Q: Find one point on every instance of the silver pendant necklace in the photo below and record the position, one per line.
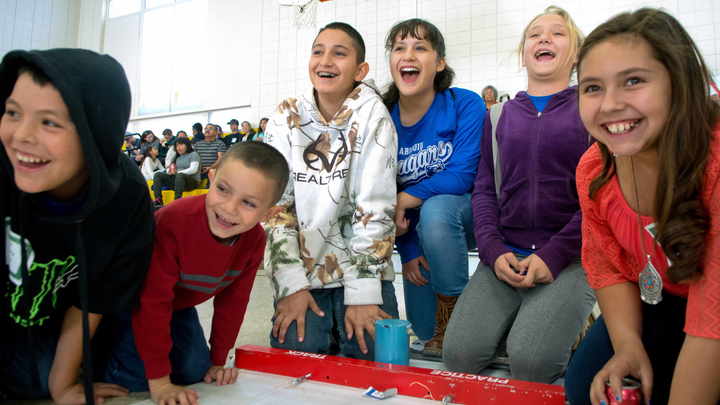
(649, 280)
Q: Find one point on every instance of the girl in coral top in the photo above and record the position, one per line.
(650, 198)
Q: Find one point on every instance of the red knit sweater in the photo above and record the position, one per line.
(189, 267)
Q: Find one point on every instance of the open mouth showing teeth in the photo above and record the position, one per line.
(224, 222)
(618, 128)
(30, 161)
(544, 54)
(326, 75)
(409, 73)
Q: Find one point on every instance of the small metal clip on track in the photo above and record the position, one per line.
(301, 379)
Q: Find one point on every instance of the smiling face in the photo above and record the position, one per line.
(413, 65)
(238, 198)
(41, 140)
(246, 126)
(546, 48)
(334, 66)
(625, 95)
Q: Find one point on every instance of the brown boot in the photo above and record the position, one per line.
(445, 306)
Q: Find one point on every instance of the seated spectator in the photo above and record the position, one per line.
(131, 145)
(235, 136)
(210, 149)
(247, 131)
(197, 132)
(220, 132)
(147, 140)
(166, 143)
(152, 163)
(490, 96)
(530, 289)
(439, 130)
(170, 157)
(260, 136)
(183, 175)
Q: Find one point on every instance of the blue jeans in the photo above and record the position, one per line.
(327, 334)
(25, 362)
(26, 359)
(445, 229)
(189, 357)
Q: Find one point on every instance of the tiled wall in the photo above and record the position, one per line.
(481, 36)
(38, 24)
(262, 56)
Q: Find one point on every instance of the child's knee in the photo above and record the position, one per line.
(532, 364)
(191, 368)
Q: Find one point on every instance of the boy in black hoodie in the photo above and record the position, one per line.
(76, 219)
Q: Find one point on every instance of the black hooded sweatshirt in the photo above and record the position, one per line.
(95, 249)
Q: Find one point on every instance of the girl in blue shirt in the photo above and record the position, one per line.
(439, 130)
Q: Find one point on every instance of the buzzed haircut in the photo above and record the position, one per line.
(263, 157)
(354, 35)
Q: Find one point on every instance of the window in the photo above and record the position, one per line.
(170, 76)
(156, 3)
(118, 8)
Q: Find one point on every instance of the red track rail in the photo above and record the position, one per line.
(468, 389)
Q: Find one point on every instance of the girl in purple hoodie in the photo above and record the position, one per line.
(530, 286)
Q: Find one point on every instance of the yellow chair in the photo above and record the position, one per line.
(168, 196)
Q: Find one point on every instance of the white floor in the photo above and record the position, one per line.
(256, 329)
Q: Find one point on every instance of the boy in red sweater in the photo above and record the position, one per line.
(205, 246)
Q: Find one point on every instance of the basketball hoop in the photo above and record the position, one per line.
(305, 11)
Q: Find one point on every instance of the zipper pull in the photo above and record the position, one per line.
(539, 114)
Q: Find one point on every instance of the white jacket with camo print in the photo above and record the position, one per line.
(336, 229)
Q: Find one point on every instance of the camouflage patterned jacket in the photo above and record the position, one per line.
(336, 229)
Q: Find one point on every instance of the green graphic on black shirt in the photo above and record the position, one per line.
(35, 310)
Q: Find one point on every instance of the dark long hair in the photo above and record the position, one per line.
(186, 142)
(420, 29)
(684, 142)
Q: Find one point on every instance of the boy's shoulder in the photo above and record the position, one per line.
(182, 211)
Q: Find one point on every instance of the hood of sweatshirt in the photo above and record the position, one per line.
(363, 93)
(112, 212)
(97, 94)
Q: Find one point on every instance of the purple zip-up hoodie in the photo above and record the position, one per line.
(538, 205)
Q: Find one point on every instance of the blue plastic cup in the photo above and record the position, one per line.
(392, 341)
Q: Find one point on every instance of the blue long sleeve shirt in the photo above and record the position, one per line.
(439, 154)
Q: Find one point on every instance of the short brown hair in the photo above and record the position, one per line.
(262, 157)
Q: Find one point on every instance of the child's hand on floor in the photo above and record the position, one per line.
(221, 375)
(75, 394)
(163, 392)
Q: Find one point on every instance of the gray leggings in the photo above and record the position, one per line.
(541, 324)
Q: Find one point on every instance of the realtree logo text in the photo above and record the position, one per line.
(320, 180)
